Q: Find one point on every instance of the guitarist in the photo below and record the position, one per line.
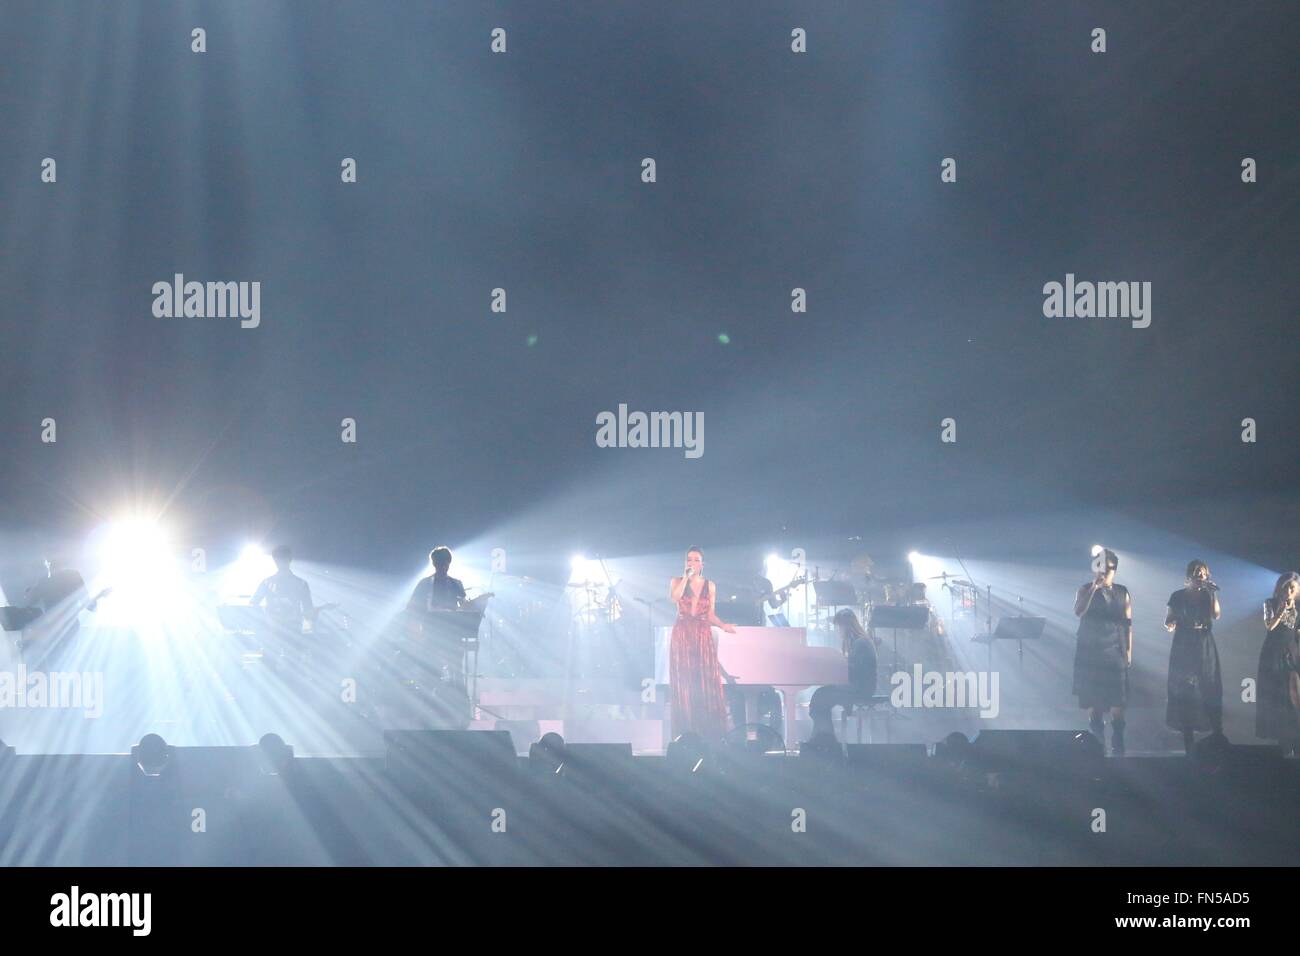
(773, 598)
(768, 708)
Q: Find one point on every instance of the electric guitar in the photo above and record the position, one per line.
(776, 598)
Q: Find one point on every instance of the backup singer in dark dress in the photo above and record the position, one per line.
(1195, 682)
(1104, 649)
(1277, 708)
(694, 674)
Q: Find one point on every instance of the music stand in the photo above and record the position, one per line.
(900, 617)
(834, 594)
(1018, 629)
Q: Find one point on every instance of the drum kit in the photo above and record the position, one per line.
(862, 589)
(595, 603)
(895, 603)
(874, 590)
(593, 645)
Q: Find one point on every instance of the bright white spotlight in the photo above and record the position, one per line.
(591, 596)
(577, 561)
(243, 576)
(136, 560)
(135, 548)
(1097, 549)
(586, 570)
(926, 566)
(779, 571)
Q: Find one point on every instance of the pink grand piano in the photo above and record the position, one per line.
(778, 657)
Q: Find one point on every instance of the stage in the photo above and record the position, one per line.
(462, 802)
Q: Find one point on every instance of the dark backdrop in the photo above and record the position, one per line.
(775, 170)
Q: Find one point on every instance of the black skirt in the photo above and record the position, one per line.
(1195, 682)
(1100, 668)
(1276, 715)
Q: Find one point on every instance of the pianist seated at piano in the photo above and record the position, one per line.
(860, 650)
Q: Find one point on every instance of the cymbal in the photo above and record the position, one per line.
(951, 579)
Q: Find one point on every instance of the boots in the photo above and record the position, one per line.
(1098, 729)
(1117, 737)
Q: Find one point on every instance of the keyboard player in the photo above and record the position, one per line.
(439, 591)
(435, 624)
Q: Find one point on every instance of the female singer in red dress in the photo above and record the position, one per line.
(694, 674)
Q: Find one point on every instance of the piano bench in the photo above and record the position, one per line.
(877, 705)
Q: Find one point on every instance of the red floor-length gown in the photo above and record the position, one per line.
(693, 671)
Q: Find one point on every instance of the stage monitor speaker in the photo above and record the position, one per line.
(1242, 760)
(611, 762)
(755, 738)
(463, 758)
(1011, 751)
(523, 733)
(890, 760)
